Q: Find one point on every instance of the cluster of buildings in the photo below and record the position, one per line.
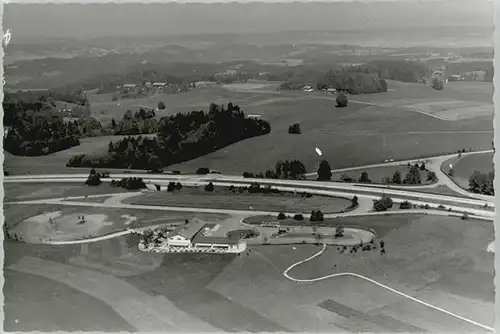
(157, 86)
(196, 235)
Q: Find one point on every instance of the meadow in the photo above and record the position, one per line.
(31, 221)
(378, 174)
(224, 199)
(32, 191)
(440, 260)
(357, 135)
(463, 167)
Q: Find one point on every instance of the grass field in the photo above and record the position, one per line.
(440, 260)
(377, 174)
(464, 167)
(63, 307)
(32, 191)
(224, 199)
(56, 162)
(357, 135)
(31, 222)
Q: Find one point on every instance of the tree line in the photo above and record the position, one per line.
(180, 137)
(482, 183)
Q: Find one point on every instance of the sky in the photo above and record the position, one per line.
(96, 20)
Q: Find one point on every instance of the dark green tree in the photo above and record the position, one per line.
(324, 171)
(364, 178)
(396, 178)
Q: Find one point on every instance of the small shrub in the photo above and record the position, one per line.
(202, 171)
(298, 217)
(405, 205)
(346, 178)
(354, 202)
(317, 215)
(339, 233)
(294, 129)
(171, 186)
(281, 216)
(209, 187)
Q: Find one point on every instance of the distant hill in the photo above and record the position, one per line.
(139, 20)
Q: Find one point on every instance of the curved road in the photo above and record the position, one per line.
(312, 280)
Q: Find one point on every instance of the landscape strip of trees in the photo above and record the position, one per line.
(35, 128)
(482, 183)
(179, 138)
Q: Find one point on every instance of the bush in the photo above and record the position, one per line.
(346, 178)
(422, 167)
(171, 186)
(209, 187)
(294, 129)
(341, 100)
(364, 178)
(431, 176)
(465, 216)
(248, 175)
(437, 83)
(354, 202)
(384, 203)
(202, 171)
(316, 216)
(130, 183)
(93, 179)
(161, 105)
(281, 216)
(405, 205)
(178, 186)
(339, 232)
(298, 217)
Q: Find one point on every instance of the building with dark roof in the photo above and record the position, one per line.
(183, 234)
(193, 235)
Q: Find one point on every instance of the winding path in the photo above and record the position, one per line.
(317, 279)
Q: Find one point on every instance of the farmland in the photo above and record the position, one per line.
(442, 261)
(445, 264)
(356, 135)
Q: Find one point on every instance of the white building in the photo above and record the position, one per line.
(129, 87)
(193, 235)
(184, 233)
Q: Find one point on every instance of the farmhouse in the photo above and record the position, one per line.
(129, 87)
(199, 84)
(159, 84)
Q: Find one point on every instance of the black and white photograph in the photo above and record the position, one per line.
(249, 167)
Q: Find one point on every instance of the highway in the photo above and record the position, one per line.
(470, 205)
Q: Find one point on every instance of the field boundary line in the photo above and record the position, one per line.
(317, 279)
